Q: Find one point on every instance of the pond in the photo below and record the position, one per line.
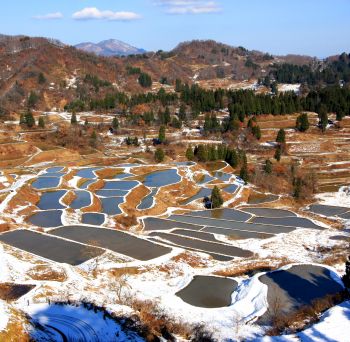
(46, 183)
(83, 199)
(46, 219)
(203, 192)
(50, 200)
(148, 201)
(88, 172)
(119, 185)
(95, 219)
(208, 291)
(110, 205)
(161, 178)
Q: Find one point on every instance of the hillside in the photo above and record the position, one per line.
(57, 72)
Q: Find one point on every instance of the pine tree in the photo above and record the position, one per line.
(161, 134)
(243, 173)
(93, 139)
(32, 99)
(268, 166)
(159, 155)
(29, 119)
(281, 136)
(166, 115)
(189, 153)
(86, 123)
(73, 119)
(202, 153)
(216, 198)
(182, 112)
(346, 276)
(115, 123)
(22, 119)
(302, 123)
(278, 153)
(323, 117)
(41, 122)
(176, 123)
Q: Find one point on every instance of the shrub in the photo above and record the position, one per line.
(159, 155)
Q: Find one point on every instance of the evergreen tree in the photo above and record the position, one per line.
(159, 155)
(93, 139)
(268, 166)
(32, 99)
(281, 136)
(278, 153)
(73, 119)
(166, 115)
(346, 276)
(161, 134)
(189, 153)
(22, 119)
(86, 122)
(115, 123)
(176, 123)
(182, 112)
(256, 131)
(41, 122)
(145, 80)
(202, 153)
(29, 119)
(41, 78)
(243, 173)
(216, 198)
(302, 123)
(323, 118)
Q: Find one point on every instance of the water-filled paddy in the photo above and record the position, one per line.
(230, 188)
(154, 223)
(208, 292)
(148, 201)
(111, 193)
(236, 225)
(287, 221)
(269, 212)
(119, 185)
(123, 175)
(43, 182)
(222, 214)
(50, 247)
(86, 184)
(95, 219)
(46, 219)
(299, 286)
(328, 210)
(54, 169)
(195, 234)
(222, 176)
(50, 200)
(203, 192)
(205, 246)
(82, 199)
(114, 240)
(88, 172)
(110, 205)
(161, 178)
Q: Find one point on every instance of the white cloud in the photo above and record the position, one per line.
(189, 6)
(49, 16)
(93, 13)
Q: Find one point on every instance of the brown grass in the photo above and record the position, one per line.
(190, 259)
(253, 265)
(14, 331)
(45, 272)
(108, 173)
(97, 185)
(95, 206)
(69, 197)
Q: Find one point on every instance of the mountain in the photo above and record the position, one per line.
(111, 47)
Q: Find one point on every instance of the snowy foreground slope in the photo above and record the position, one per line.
(333, 326)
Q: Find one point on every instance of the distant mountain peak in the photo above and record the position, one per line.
(110, 47)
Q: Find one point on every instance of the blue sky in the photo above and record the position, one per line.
(313, 27)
